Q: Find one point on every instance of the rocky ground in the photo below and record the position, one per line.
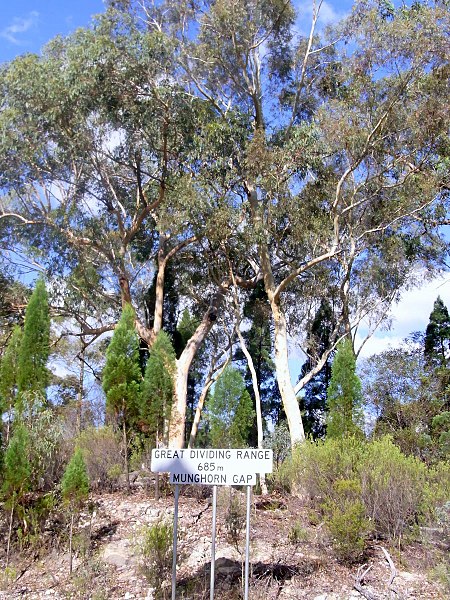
(290, 558)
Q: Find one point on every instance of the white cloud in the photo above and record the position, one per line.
(328, 14)
(412, 313)
(19, 26)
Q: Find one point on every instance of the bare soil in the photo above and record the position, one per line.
(290, 557)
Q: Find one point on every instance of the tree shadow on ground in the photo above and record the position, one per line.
(229, 578)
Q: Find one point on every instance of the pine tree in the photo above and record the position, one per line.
(74, 490)
(16, 474)
(230, 411)
(437, 336)
(314, 401)
(33, 375)
(157, 388)
(122, 376)
(258, 339)
(8, 377)
(344, 397)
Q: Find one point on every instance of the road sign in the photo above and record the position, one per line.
(227, 462)
(212, 466)
(213, 478)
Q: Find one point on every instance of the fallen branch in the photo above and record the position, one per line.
(394, 572)
(358, 585)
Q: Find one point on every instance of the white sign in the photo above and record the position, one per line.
(213, 479)
(246, 461)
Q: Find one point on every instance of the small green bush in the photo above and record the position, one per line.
(7, 576)
(363, 487)
(101, 448)
(441, 574)
(345, 518)
(318, 465)
(282, 477)
(235, 520)
(297, 533)
(155, 548)
(394, 489)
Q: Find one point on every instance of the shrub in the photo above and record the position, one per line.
(346, 520)
(318, 465)
(282, 478)
(101, 450)
(235, 520)
(297, 533)
(155, 548)
(394, 488)
(279, 440)
(361, 487)
(441, 574)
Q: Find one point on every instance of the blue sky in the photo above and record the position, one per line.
(26, 25)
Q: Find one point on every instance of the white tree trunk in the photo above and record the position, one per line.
(198, 413)
(178, 414)
(288, 397)
(290, 402)
(259, 421)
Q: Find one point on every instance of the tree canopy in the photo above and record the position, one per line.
(174, 151)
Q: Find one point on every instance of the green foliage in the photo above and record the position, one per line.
(33, 375)
(394, 489)
(437, 335)
(279, 441)
(45, 431)
(344, 398)
(157, 387)
(75, 482)
(7, 576)
(230, 411)
(441, 574)
(16, 467)
(9, 370)
(406, 390)
(155, 548)
(122, 374)
(313, 402)
(297, 533)
(101, 453)
(34, 517)
(367, 487)
(185, 328)
(234, 518)
(345, 518)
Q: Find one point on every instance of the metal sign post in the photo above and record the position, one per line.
(213, 543)
(175, 537)
(247, 542)
(212, 467)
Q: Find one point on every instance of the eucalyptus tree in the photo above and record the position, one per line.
(314, 162)
(336, 157)
(94, 137)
